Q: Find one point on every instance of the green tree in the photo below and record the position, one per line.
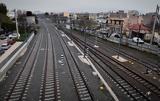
(3, 9)
(9, 26)
(29, 13)
(46, 13)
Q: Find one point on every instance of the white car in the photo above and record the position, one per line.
(13, 36)
(138, 40)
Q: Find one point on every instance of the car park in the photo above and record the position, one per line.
(137, 40)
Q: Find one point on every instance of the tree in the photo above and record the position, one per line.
(87, 24)
(6, 23)
(9, 26)
(3, 9)
(29, 13)
(46, 13)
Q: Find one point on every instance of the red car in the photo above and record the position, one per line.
(11, 41)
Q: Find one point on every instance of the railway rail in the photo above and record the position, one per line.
(155, 67)
(22, 80)
(49, 83)
(78, 77)
(148, 65)
(121, 67)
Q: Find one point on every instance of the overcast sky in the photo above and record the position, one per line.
(82, 5)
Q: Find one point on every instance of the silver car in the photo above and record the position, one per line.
(5, 46)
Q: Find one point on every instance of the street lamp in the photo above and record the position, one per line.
(18, 35)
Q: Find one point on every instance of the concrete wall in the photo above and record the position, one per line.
(14, 58)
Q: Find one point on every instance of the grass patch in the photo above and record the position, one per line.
(23, 36)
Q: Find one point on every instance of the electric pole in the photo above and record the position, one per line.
(154, 24)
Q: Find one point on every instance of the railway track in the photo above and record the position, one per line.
(126, 87)
(133, 75)
(50, 87)
(17, 90)
(78, 77)
(149, 65)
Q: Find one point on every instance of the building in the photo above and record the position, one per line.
(148, 21)
(93, 16)
(138, 30)
(133, 13)
(73, 16)
(83, 16)
(115, 21)
(30, 20)
(66, 14)
(11, 14)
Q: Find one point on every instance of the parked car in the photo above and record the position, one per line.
(13, 36)
(11, 41)
(138, 40)
(5, 46)
(1, 50)
(2, 37)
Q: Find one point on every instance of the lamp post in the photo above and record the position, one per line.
(18, 35)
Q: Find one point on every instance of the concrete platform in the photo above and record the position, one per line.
(9, 51)
(70, 43)
(84, 60)
(120, 59)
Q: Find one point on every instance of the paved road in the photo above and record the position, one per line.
(51, 71)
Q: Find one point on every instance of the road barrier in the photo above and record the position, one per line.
(14, 58)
